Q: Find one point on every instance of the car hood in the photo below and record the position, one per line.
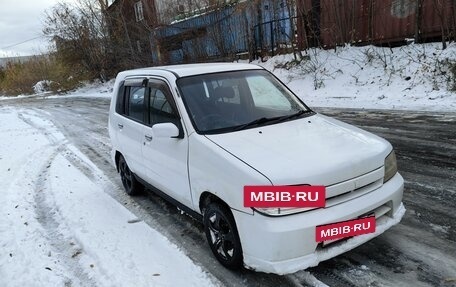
(315, 150)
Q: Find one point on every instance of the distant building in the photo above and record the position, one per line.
(130, 24)
(329, 23)
(172, 31)
(174, 10)
(225, 31)
(183, 31)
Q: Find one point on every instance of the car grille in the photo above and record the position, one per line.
(347, 190)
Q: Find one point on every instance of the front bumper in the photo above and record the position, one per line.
(287, 244)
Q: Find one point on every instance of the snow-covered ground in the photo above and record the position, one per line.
(413, 77)
(58, 227)
(91, 90)
(95, 89)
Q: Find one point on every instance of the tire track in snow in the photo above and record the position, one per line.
(69, 151)
(48, 216)
(53, 221)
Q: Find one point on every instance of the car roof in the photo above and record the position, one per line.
(197, 69)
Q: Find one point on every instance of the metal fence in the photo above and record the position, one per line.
(258, 31)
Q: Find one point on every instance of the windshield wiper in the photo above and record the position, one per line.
(254, 123)
(293, 116)
(264, 120)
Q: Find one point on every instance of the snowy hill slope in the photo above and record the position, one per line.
(413, 77)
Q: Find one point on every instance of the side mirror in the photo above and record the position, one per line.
(165, 130)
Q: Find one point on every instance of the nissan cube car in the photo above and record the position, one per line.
(198, 134)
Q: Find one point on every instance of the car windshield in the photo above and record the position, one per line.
(232, 101)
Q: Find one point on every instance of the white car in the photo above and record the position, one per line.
(198, 134)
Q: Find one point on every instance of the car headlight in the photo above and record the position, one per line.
(390, 166)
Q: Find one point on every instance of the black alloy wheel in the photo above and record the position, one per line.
(129, 182)
(222, 235)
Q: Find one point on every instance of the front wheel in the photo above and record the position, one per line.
(222, 235)
(129, 182)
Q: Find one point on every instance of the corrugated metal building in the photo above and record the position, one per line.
(223, 34)
(267, 27)
(328, 23)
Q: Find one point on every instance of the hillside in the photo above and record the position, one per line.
(413, 77)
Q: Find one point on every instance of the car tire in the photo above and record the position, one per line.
(222, 235)
(131, 185)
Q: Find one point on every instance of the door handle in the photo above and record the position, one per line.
(148, 138)
(120, 126)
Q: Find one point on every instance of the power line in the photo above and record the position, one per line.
(20, 43)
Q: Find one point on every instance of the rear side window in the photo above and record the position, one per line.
(131, 99)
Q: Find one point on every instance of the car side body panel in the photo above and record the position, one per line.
(227, 175)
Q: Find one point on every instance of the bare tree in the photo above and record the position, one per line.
(291, 6)
(80, 32)
(439, 9)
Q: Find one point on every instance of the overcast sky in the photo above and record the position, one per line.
(22, 20)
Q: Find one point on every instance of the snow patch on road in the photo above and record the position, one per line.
(305, 277)
(26, 255)
(122, 251)
(58, 227)
(439, 228)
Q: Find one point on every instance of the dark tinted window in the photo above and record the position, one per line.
(135, 107)
(160, 108)
(120, 104)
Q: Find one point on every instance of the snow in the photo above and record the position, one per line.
(308, 278)
(58, 227)
(413, 77)
(2, 98)
(439, 228)
(42, 86)
(94, 89)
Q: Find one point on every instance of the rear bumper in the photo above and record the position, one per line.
(287, 244)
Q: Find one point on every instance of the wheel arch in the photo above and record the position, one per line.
(234, 260)
(116, 159)
(208, 197)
